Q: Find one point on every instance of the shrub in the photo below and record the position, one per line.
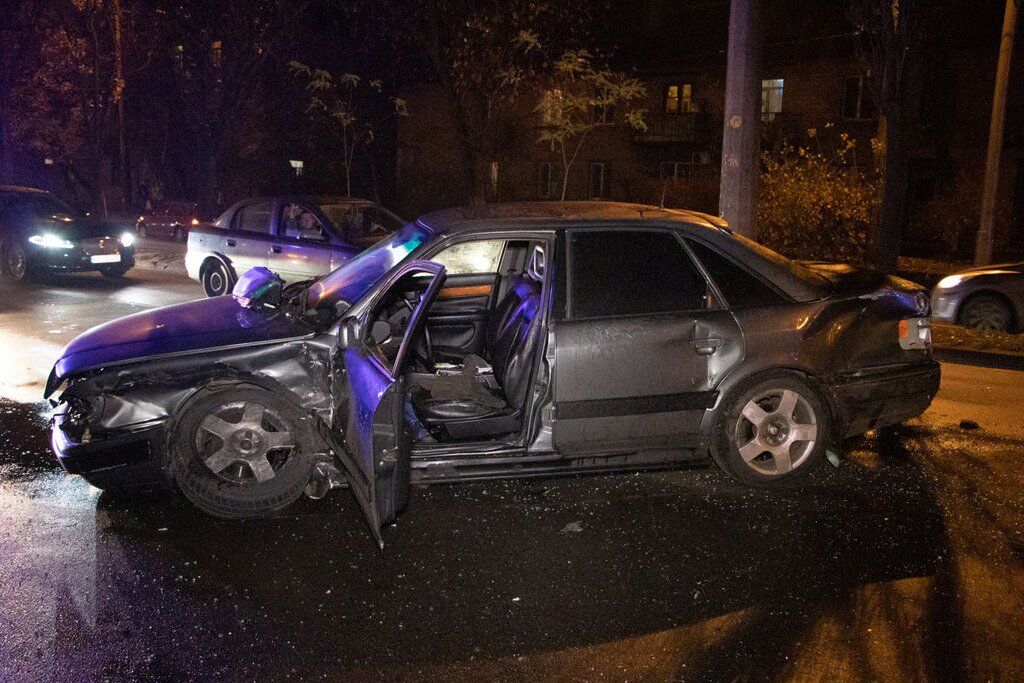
(817, 203)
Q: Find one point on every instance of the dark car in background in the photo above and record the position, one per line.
(985, 298)
(41, 233)
(497, 341)
(169, 220)
(297, 237)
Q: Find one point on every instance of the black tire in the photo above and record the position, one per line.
(224, 494)
(763, 470)
(217, 279)
(15, 266)
(114, 273)
(987, 312)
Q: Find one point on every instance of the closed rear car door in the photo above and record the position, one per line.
(641, 344)
(248, 240)
(377, 442)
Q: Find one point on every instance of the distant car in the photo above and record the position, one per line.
(40, 233)
(169, 220)
(519, 340)
(985, 298)
(297, 237)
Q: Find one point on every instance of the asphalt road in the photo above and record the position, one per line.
(907, 561)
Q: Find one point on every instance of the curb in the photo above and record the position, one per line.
(982, 359)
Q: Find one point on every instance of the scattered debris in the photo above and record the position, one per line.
(832, 456)
(572, 527)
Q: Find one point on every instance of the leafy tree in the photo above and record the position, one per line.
(583, 95)
(815, 202)
(483, 55)
(344, 103)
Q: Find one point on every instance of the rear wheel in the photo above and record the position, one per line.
(241, 452)
(772, 432)
(217, 279)
(987, 312)
(14, 265)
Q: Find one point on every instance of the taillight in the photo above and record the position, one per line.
(915, 333)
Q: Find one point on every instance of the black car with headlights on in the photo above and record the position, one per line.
(41, 233)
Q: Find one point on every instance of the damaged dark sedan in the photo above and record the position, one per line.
(499, 341)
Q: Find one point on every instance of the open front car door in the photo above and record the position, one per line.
(378, 341)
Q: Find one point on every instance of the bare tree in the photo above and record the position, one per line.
(890, 34)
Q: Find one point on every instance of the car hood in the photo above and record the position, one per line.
(846, 280)
(189, 327)
(75, 228)
(995, 269)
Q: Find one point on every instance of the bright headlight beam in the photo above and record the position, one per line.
(50, 241)
(127, 239)
(950, 282)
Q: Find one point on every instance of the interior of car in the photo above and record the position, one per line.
(470, 367)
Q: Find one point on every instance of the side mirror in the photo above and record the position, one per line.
(349, 332)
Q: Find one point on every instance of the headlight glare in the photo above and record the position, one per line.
(127, 239)
(48, 240)
(950, 282)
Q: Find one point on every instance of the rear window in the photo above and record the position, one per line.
(632, 272)
(740, 287)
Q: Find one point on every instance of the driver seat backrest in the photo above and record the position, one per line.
(518, 288)
(515, 344)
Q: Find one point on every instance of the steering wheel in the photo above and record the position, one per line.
(423, 348)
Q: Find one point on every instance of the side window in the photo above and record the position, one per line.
(253, 218)
(739, 287)
(471, 258)
(620, 272)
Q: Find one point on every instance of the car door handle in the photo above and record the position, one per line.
(231, 243)
(276, 249)
(705, 347)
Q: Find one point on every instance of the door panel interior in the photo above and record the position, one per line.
(459, 316)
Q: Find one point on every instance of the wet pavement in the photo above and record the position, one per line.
(907, 561)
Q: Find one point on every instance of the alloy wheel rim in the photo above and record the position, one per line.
(16, 261)
(244, 443)
(776, 432)
(986, 315)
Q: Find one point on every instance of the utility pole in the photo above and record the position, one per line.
(742, 126)
(983, 246)
(123, 162)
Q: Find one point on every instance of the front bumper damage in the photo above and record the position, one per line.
(118, 458)
(884, 396)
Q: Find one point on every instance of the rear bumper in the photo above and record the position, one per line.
(124, 458)
(886, 397)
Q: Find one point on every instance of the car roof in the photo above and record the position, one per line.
(309, 198)
(18, 189)
(557, 215)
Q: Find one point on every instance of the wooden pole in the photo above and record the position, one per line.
(983, 246)
(742, 125)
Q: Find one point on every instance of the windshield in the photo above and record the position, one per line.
(352, 280)
(48, 206)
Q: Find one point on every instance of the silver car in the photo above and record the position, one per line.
(985, 298)
(297, 237)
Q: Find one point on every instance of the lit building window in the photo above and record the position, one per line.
(771, 98)
(678, 98)
(297, 166)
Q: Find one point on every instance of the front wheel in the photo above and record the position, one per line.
(216, 279)
(14, 264)
(772, 432)
(987, 312)
(241, 452)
